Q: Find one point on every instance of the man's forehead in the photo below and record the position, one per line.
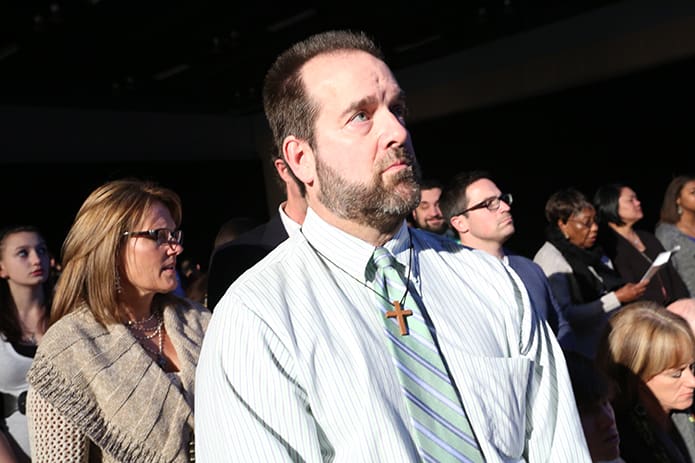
(328, 75)
(482, 187)
(431, 192)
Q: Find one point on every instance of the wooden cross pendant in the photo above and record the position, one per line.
(400, 314)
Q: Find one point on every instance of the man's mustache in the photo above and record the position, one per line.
(400, 154)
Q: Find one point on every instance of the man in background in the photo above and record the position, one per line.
(233, 258)
(427, 215)
(481, 216)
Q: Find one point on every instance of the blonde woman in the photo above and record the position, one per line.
(113, 377)
(649, 352)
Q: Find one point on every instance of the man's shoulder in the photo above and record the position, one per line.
(518, 259)
(232, 259)
(257, 241)
(429, 244)
(268, 234)
(525, 266)
(434, 241)
(238, 250)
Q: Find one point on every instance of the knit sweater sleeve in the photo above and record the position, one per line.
(53, 438)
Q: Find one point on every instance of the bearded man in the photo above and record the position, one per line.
(360, 339)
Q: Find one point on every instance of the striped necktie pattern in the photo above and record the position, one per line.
(442, 430)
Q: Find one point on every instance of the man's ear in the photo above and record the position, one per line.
(300, 158)
(459, 224)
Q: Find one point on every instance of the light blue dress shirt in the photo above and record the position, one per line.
(294, 365)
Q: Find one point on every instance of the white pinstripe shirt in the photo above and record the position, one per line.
(294, 365)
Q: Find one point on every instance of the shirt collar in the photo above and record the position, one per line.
(290, 225)
(349, 253)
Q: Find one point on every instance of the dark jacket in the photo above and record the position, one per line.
(230, 260)
(664, 287)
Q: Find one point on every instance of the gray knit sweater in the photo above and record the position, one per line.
(101, 381)
(684, 259)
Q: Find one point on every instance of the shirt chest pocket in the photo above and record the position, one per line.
(495, 393)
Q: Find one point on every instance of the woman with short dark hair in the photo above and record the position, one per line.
(584, 282)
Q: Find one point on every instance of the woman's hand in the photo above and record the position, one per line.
(631, 291)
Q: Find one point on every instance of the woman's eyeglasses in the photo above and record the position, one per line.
(491, 204)
(160, 235)
(584, 223)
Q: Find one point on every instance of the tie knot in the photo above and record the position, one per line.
(382, 258)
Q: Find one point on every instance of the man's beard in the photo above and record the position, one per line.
(440, 230)
(376, 204)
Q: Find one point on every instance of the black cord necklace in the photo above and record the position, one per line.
(398, 312)
(407, 281)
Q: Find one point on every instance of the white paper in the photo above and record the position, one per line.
(660, 260)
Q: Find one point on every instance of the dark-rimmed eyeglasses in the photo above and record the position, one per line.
(160, 235)
(491, 204)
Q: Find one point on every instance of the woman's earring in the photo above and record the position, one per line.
(679, 209)
(119, 288)
(564, 233)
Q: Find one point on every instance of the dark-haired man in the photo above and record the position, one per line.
(302, 360)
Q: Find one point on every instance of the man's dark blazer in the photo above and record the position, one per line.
(232, 259)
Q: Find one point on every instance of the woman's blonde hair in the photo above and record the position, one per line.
(91, 250)
(644, 339)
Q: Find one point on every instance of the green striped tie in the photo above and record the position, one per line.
(442, 430)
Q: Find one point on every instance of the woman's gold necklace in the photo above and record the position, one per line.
(140, 331)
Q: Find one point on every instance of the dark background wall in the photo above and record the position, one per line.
(596, 98)
(636, 128)
(49, 194)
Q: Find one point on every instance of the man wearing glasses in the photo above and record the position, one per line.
(480, 214)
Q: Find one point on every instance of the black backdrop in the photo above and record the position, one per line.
(636, 129)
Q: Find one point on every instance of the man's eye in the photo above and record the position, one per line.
(361, 116)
